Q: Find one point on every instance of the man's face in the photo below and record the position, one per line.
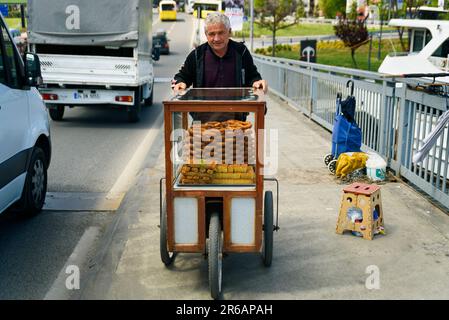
(218, 37)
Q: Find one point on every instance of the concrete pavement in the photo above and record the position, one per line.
(310, 261)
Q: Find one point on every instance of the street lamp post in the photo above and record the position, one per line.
(381, 13)
(389, 11)
(22, 15)
(251, 25)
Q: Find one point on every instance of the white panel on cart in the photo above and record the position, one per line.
(186, 220)
(243, 212)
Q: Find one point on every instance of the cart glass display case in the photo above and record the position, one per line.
(216, 148)
(213, 162)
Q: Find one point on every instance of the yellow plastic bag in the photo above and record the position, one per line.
(349, 162)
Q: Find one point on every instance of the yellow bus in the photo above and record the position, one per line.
(167, 10)
(206, 7)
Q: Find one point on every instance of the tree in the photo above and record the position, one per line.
(278, 14)
(353, 11)
(331, 7)
(311, 8)
(353, 33)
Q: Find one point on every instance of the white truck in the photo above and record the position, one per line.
(93, 53)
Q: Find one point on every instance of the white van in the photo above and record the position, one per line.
(25, 147)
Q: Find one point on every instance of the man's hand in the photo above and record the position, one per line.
(261, 84)
(180, 86)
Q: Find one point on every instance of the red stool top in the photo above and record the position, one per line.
(361, 188)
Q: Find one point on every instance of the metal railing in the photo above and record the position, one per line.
(394, 117)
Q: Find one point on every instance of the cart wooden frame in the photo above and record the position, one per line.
(202, 192)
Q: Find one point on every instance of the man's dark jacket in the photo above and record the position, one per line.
(192, 72)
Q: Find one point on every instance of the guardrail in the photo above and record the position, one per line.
(334, 21)
(393, 117)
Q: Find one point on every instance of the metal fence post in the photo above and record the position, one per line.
(313, 94)
(286, 83)
(281, 79)
(402, 128)
(383, 121)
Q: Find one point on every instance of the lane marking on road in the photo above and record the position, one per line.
(162, 80)
(129, 174)
(81, 201)
(171, 29)
(155, 20)
(59, 290)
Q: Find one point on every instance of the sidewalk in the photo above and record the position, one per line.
(310, 261)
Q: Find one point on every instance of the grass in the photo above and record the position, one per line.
(301, 29)
(342, 56)
(14, 23)
(296, 30)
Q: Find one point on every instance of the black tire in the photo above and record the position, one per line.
(35, 189)
(268, 227)
(328, 158)
(56, 112)
(332, 166)
(149, 100)
(215, 256)
(166, 256)
(134, 111)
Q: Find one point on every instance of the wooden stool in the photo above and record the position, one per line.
(367, 198)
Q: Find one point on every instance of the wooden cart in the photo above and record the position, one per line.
(234, 218)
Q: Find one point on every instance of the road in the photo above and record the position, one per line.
(96, 156)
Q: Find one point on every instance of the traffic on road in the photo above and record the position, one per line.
(147, 153)
(78, 175)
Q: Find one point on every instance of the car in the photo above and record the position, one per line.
(19, 39)
(160, 40)
(25, 142)
(14, 33)
(16, 36)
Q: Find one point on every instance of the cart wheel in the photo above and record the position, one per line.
(328, 158)
(332, 166)
(166, 256)
(267, 250)
(215, 256)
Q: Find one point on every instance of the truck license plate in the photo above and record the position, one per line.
(81, 96)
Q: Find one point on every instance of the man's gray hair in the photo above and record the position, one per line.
(216, 18)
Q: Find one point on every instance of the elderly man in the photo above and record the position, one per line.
(219, 63)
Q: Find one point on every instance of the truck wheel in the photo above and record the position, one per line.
(35, 189)
(134, 111)
(149, 100)
(215, 256)
(56, 112)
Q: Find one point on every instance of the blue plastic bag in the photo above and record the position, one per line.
(346, 136)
